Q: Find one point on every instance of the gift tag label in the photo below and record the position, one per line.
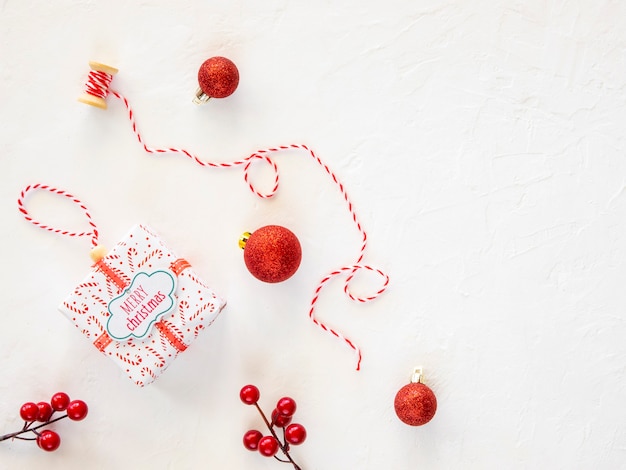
(135, 311)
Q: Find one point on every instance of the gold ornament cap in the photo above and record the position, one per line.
(245, 236)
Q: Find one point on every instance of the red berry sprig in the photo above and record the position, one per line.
(43, 412)
(282, 415)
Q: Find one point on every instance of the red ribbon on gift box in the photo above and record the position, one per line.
(162, 326)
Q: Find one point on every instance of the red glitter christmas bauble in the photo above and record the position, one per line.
(218, 77)
(272, 253)
(415, 404)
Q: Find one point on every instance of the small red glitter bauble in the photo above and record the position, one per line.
(415, 404)
(218, 77)
(272, 253)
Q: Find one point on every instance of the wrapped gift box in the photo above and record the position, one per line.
(141, 305)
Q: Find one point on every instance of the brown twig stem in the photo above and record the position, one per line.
(283, 447)
(27, 428)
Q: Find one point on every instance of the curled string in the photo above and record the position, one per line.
(245, 162)
(93, 233)
(265, 156)
(351, 270)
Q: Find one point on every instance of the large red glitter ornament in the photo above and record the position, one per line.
(218, 77)
(415, 403)
(271, 253)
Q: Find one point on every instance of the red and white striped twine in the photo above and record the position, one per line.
(44, 187)
(98, 85)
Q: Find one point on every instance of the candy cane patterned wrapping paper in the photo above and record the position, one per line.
(141, 305)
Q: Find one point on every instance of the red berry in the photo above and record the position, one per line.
(59, 401)
(249, 394)
(251, 439)
(286, 406)
(45, 411)
(295, 434)
(268, 446)
(280, 420)
(77, 410)
(48, 440)
(29, 411)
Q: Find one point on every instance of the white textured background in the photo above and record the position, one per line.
(483, 146)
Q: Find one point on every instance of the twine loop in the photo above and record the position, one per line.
(92, 234)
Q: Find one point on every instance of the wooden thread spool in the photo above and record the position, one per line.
(98, 85)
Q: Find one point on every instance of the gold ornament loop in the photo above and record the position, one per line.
(417, 375)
